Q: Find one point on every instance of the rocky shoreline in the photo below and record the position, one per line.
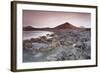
(67, 44)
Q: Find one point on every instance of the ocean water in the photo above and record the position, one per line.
(35, 34)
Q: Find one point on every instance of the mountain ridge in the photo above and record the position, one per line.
(63, 26)
(66, 25)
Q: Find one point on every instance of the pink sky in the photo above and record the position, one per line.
(40, 19)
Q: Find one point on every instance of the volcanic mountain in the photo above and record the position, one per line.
(66, 26)
(62, 26)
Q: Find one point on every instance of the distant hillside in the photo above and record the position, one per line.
(63, 26)
(28, 28)
(66, 26)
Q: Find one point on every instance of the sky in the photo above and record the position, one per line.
(42, 19)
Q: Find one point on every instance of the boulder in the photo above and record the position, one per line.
(27, 44)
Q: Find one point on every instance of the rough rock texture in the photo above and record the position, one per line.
(65, 45)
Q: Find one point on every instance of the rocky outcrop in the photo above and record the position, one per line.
(65, 45)
(27, 44)
(54, 42)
